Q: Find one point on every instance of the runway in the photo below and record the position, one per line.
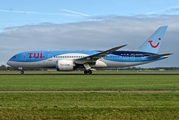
(96, 74)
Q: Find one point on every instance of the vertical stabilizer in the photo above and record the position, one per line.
(152, 44)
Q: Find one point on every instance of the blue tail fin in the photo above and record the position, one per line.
(152, 44)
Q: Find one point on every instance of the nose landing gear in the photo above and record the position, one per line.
(21, 70)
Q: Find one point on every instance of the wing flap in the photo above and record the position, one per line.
(94, 57)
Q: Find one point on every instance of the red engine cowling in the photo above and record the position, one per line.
(64, 65)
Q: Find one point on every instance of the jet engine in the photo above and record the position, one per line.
(64, 65)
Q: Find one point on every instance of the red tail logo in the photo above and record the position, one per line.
(154, 46)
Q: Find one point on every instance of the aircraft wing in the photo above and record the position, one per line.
(94, 57)
(159, 55)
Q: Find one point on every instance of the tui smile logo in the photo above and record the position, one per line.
(154, 46)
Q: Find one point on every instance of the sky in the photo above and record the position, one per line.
(87, 25)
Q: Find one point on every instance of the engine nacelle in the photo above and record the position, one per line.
(64, 65)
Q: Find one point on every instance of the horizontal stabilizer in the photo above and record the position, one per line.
(159, 55)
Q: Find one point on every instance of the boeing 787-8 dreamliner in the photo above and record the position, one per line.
(91, 59)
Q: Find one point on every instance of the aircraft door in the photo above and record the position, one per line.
(23, 57)
(132, 56)
(50, 57)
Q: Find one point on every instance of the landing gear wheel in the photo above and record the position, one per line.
(87, 72)
(22, 72)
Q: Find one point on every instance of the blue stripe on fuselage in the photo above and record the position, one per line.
(117, 56)
(130, 56)
(35, 56)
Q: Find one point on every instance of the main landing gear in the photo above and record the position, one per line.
(87, 71)
(21, 70)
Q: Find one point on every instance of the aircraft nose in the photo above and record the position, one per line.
(8, 63)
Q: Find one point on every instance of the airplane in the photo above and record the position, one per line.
(89, 60)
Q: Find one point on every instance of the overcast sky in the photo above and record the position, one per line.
(89, 24)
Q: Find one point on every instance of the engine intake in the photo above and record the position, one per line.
(64, 65)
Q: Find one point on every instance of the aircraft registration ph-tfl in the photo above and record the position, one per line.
(91, 59)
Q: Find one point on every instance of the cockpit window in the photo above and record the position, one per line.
(14, 57)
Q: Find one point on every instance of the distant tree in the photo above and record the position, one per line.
(3, 68)
(9, 68)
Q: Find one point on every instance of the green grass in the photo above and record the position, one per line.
(89, 106)
(89, 82)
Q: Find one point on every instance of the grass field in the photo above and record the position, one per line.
(39, 81)
(89, 105)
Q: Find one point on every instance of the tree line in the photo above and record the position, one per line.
(9, 68)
